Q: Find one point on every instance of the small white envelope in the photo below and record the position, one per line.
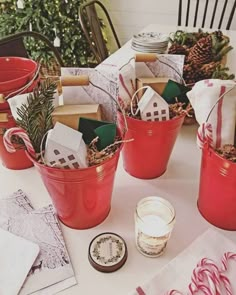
(17, 255)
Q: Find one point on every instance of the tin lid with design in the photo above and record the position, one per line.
(107, 252)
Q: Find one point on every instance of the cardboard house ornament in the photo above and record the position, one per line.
(65, 148)
(153, 107)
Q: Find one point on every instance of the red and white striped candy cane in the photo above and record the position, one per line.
(204, 134)
(23, 135)
(225, 259)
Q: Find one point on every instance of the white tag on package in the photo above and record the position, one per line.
(17, 256)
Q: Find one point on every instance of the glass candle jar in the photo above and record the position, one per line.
(154, 221)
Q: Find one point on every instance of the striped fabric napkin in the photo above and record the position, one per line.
(207, 266)
(214, 104)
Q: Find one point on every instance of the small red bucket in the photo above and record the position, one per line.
(17, 160)
(217, 190)
(148, 154)
(82, 197)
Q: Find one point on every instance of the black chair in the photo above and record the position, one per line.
(13, 45)
(94, 19)
(204, 10)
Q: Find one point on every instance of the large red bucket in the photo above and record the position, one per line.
(217, 190)
(148, 154)
(15, 72)
(82, 197)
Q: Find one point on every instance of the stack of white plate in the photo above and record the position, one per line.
(150, 42)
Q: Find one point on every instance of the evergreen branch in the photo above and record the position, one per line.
(35, 117)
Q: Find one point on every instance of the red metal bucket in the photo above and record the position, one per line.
(217, 190)
(15, 72)
(148, 154)
(82, 197)
(17, 160)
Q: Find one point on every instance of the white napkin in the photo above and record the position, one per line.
(17, 255)
(203, 96)
(176, 275)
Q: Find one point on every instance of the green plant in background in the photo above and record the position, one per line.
(56, 19)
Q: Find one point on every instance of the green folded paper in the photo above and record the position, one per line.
(90, 129)
(175, 90)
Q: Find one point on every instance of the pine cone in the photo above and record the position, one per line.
(177, 49)
(201, 52)
(191, 73)
(207, 70)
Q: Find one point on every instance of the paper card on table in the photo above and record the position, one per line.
(17, 256)
(176, 275)
(166, 65)
(175, 90)
(52, 265)
(106, 78)
(90, 129)
(14, 205)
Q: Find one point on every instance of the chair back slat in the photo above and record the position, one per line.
(231, 16)
(205, 13)
(96, 31)
(196, 13)
(91, 24)
(213, 14)
(187, 13)
(222, 14)
(180, 13)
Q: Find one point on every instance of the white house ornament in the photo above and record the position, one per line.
(153, 107)
(65, 148)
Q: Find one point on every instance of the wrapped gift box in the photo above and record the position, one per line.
(156, 83)
(69, 115)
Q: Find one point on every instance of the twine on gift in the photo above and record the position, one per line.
(23, 135)
(205, 130)
(22, 89)
(135, 96)
(209, 278)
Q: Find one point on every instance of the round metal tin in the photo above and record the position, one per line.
(107, 252)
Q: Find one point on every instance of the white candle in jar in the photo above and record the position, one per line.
(154, 221)
(153, 225)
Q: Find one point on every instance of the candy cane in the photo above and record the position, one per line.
(225, 259)
(204, 134)
(209, 278)
(23, 135)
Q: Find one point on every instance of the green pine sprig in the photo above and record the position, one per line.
(35, 117)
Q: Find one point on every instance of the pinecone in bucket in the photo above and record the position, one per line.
(228, 151)
(207, 70)
(201, 52)
(176, 48)
(191, 73)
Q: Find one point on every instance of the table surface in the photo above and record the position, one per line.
(179, 185)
